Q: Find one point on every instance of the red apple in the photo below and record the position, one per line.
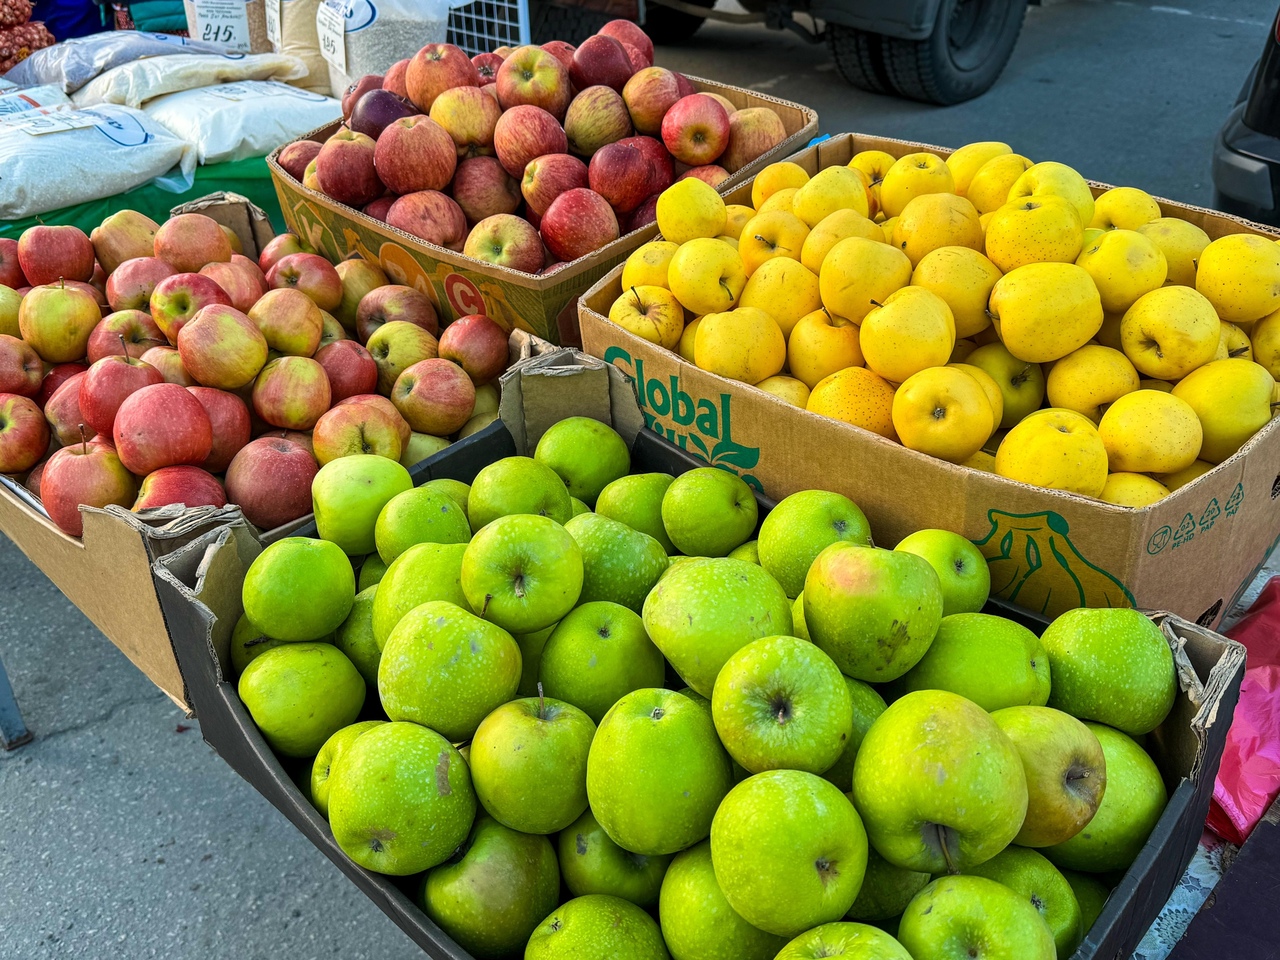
(290, 322)
(354, 428)
(162, 425)
(414, 154)
(469, 116)
(525, 132)
(98, 296)
(397, 345)
(350, 369)
(534, 76)
(597, 116)
(99, 281)
(434, 396)
(56, 321)
(662, 168)
(310, 273)
(577, 223)
(88, 474)
(62, 411)
(358, 277)
(301, 437)
(21, 370)
(48, 254)
(24, 434)
(625, 31)
(291, 393)
(644, 214)
(357, 89)
(240, 280)
(56, 377)
(222, 348)
(270, 480)
(508, 241)
(190, 240)
(377, 110)
(378, 209)
(189, 486)
(394, 302)
(649, 94)
(600, 61)
(562, 50)
(178, 298)
(107, 384)
(125, 235)
(33, 478)
(394, 80)
(478, 345)
(546, 177)
(385, 405)
(130, 285)
(753, 132)
(279, 248)
(621, 174)
(331, 331)
(487, 65)
(696, 130)
(229, 418)
(294, 158)
(686, 85)
(431, 216)
(11, 274)
(482, 188)
(710, 173)
(435, 68)
(169, 362)
(345, 170)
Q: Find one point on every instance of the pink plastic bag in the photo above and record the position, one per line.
(1249, 778)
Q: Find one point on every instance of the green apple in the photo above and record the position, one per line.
(963, 917)
(781, 703)
(421, 446)
(371, 572)
(355, 637)
(597, 927)
(801, 526)
(992, 661)
(330, 754)
(749, 551)
(873, 611)
(799, 628)
(531, 646)
(419, 516)
(579, 508)
(592, 863)
(707, 512)
(1028, 873)
(1065, 768)
(1091, 893)
(961, 568)
(789, 851)
(867, 707)
(1134, 799)
(529, 764)
(618, 563)
(855, 941)
(247, 642)
(348, 494)
(424, 572)
(939, 786)
(522, 572)
(455, 490)
(587, 455)
(1021, 383)
(596, 655)
(703, 611)
(1113, 666)
(517, 485)
(886, 890)
(299, 589)
(491, 898)
(301, 694)
(656, 772)
(697, 921)
(636, 500)
(447, 669)
(400, 799)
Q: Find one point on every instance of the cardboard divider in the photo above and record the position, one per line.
(1192, 552)
(543, 305)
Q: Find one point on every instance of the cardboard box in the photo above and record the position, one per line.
(542, 305)
(1192, 552)
(200, 587)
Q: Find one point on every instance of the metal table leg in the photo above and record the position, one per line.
(13, 732)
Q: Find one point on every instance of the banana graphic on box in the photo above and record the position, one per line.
(1035, 565)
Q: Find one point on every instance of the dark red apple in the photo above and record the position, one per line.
(577, 223)
(270, 480)
(377, 110)
(478, 345)
(601, 61)
(350, 369)
(229, 418)
(621, 174)
(295, 157)
(358, 88)
(625, 31)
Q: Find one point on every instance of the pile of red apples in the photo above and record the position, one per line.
(531, 157)
(147, 365)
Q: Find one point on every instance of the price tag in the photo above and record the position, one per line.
(272, 12)
(332, 32)
(224, 22)
(39, 124)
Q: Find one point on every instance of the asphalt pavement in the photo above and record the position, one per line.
(123, 835)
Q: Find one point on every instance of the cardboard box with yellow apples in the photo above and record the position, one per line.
(1191, 552)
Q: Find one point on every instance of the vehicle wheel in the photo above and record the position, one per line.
(858, 58)
(572, 24)
(667, 26)
(971, 42)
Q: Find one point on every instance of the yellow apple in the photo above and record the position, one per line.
(1132, 490)
(858, 396)
(689, 209)
(873, 164)
(835, 188)
(774, 233)
(935, 220)
(1124, 208)
(1232, 398)
(859, 273)
(1124, 265)
(964, 279)
(706, 275)
(1234, 343)
(831, 230)
(969, 159)
(1240, 274)
(1021, 383)
(989, 189)
(1109, 333)
(650, 312)
(647, 266)
(981, 461)
(1043, 311)
(1181, 243)
(736, 217)
(743, 344)
(783, 288)
(779, 200)
(911, 330)
(1182, 477)
(1037, 230)
(1088, 379)
(913, 175)
(943, 412)
(775, 177)
(1058, 449)
(731, 241)
(1169, 332)
(963, 347)
(685, 346)
(1265, 341)
(786, 388)
(1147, 431)
(1050, 178)
(989, 386)
(821, 344)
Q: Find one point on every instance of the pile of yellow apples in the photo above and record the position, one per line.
(982, 309)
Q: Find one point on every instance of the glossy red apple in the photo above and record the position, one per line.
(229, 419)
(131, 285)
(577, 223)
(662, 167)
(162, 425)
(625, 31)
(88, 474)
(596, 117)
(621, 174)
(508, 241)
(345, 169)
(434, 396)
(21, 369)
(189, 486)
(350, 369)
(48, 254)
(391, 303)
(478, 345)
(11, 274)
(415, 153)
(487, 65)
(270, 480)
(525, 132)
(295, 157)
(279, 248)
(431, 216)
(107, 384)
(600, 60)
(562, 50)
(190, 240)
(696, 130)
(546, 177)
(24, 433)
(435, 68)
(482, 188)
(56, 376)
(310, 273)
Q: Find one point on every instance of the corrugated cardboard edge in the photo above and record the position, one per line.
(241, 214)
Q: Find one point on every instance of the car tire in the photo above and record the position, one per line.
(666, 26)
(858, 58)
(572, 24)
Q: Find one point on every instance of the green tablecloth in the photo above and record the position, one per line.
(249, 178)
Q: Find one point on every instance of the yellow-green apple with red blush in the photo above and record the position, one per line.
(331, 331)
(161, 425)
(397, 345)
(56, 320)
(24, 433)
(506, 240)
(468, 115)
(351, 428)
(49, 253)
(358, 277)
(176, 299)
(291, 393)
(124, 235)
(229, 418)
(649, 94)
(546, 177)
(289, 321)
(168, 361)
(753, 132)
(270, 479)
(130, 332)
(87, 473)
(382, 403)
(395, 302)
(129, 286)
(435, 396)
(711, 174)
(222, 348)
(532, 75)
(21, 369)
(596, 116)
(190, 240)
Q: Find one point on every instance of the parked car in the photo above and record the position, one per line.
(1246, 152)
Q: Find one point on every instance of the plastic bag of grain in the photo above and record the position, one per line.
(232, 121)
(359, 37)
(291, 25)
(45, 99)
(73, 63)
(238, 26)
(58, 159)
(133, 84)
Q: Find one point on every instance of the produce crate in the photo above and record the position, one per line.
(200, 588)
(1192, 553)
(541, 305)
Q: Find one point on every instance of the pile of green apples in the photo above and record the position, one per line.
(607, 723)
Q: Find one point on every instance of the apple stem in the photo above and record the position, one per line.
(84, 439)
(542, 703)
(639, 303)
(124, 345)
(876, 303)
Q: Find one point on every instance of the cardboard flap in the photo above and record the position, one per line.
(241, 214)
(173, 521)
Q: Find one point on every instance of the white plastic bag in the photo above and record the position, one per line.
(44, 99)
(232, 121)
(57, 159)
(73, 63)
(376, 35)
(133, 84)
